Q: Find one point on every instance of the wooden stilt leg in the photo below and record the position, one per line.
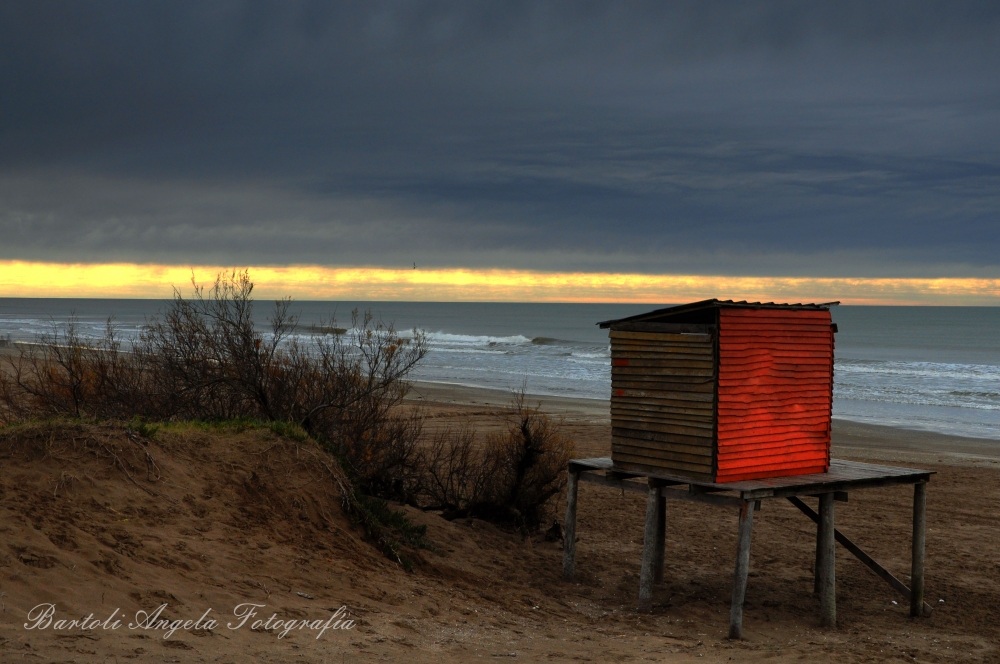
(649, 542)
(569, 528)
(742, 569)
(819, 558)
(828, 563)
(919, 539)
(661, 539)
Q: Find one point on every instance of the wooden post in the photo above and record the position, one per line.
(569, 528)
(649, 541)
(919, 540)
(742, 569)
(661, 539)
(817, 583)
(828, 563)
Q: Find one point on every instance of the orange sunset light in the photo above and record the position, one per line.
(305, 282)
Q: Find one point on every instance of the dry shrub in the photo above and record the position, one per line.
(525, 466)
(382, 453)
(64, 374)
(200, 359)
(509, 479)
(452, 472)
(204, 359)
(45, 379)
(351, 387)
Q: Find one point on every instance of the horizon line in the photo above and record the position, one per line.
(315, 282)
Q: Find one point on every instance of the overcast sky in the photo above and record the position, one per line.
(777, 138)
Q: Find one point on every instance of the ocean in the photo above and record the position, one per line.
(928, 368)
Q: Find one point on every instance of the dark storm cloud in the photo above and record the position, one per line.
(745, 137)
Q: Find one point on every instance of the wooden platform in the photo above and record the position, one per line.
(746, 496)
(842, 476)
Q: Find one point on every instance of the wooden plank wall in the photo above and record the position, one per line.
(662, 401)
(775, 393)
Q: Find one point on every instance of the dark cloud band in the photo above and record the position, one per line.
(744, 137)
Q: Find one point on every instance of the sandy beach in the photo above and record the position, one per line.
(237, 520)
(270, 271)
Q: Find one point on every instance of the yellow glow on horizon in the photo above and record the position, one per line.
(304, 282)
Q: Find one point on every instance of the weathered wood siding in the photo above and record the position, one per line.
(663, 401)
(775, 393)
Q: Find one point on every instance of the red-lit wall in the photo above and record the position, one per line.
(775, 393)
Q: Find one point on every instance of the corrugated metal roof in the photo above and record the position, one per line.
(708, 304)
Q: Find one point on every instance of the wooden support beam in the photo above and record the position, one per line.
(818, 562)
(613, 481)
(707, 498)
(649, 541)
(833, 487)
(839, 496)
(859, 553)
(741, 570)
(569, 527)
(828, 563)
(670, 494)
(620, 475)
(919, 540)
(661, 539)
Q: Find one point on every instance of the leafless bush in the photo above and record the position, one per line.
(361, 373)
(346, 390)
(204, 358)
(209, 360)
(66, 374)
(121, 379)
(526, 466)
(452, 471)
(44, 379)
(509, 479)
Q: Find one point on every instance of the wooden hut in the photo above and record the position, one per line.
(723, 391)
